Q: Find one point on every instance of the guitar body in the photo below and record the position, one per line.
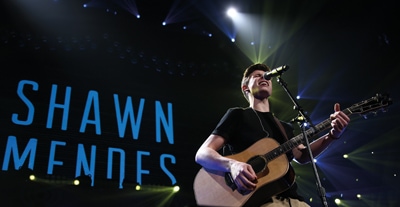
(210, 187)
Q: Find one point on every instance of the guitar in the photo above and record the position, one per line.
(269, 161)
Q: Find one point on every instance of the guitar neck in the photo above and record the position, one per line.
(295, 141)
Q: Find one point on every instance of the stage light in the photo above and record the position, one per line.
(231, 12)
(337, 201)
(176, 189)
(346, 156)
(83, 180)
(137, 187)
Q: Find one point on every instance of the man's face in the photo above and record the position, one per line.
(258, 86)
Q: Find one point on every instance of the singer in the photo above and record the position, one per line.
(243, 130)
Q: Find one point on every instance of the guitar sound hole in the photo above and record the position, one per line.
(258, 163)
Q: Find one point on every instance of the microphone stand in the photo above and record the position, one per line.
(306, 119)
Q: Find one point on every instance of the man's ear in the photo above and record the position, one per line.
(245, 89)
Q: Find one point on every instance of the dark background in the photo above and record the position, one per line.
(338, 51)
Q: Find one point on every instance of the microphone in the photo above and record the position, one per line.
(275, 72)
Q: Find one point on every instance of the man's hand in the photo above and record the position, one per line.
(244, 176)
(339, 122)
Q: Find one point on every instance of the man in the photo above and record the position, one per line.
(242, 127)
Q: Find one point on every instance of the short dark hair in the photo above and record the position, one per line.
(248, 71)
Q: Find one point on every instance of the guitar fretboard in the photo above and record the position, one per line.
(295, 141)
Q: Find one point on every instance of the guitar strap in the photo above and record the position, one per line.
(281, 127)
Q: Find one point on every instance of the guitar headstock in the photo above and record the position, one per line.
(379, 102)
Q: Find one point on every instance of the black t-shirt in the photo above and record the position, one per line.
(242, 127)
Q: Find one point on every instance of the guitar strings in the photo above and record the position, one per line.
(262, 126)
